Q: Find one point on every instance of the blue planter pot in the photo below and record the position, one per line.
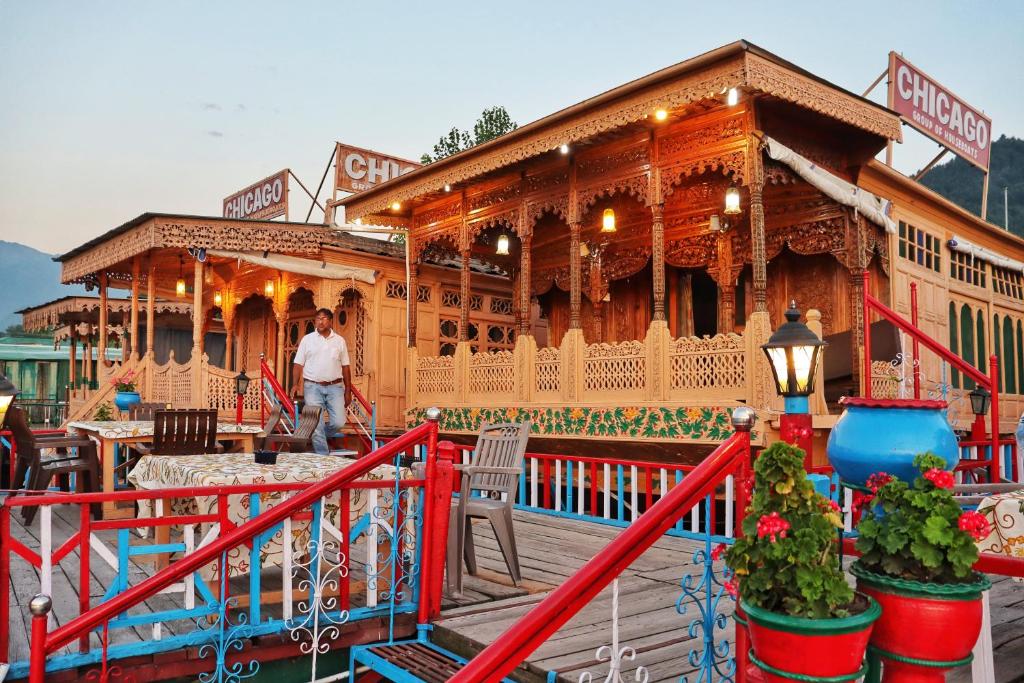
(876, 435)
(126, 399)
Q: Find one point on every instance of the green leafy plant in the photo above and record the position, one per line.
(918, 532)
(103, 413)
(787, 560)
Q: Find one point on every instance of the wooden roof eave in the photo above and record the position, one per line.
(116, 248)
(739, 64)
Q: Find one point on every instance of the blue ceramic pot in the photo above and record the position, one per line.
(875, 435)
(126, 399)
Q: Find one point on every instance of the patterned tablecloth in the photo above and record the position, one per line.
(1005, 512)
(123, 429)
(231, 469)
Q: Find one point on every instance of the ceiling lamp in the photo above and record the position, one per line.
(563, 148)
(732, 201)
(660, 114)
(179, 286)
(396, 206)
(268, 288)
(608, 221)
(218, 298)
(447, 187)
(502, 249)
(733, 97)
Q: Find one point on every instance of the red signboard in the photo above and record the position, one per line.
(263, 200)
(938, 113)
(359, 169)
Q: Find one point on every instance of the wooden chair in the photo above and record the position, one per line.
(41, 467)
(273, 420)
(185, 431)
(495, 469)
(145, 411)
(301, 440)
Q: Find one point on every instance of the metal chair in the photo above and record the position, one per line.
(42, 468)
(185, 431)
(495, 469)
(302, 437)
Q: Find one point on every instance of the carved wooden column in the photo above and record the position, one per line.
(198, 316)
(227, 314)
(525, 271)
(686, 304)
(101, 344)
(575, 275)
(87, 360)
(72, 353)
(726, 279)
(856, 264)
(598, 307)
(757, 239)
(464, 296)
(280, 307)
(133, 336)
(658, 259)
(150, 308)
(412, 299)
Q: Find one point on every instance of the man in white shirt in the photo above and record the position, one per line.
(322, 375)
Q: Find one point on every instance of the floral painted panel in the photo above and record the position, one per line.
(693, 423)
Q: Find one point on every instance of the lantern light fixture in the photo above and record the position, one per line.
(268, 288)
(179, 286)
(793, 352)
(608, 220)
(733, 97)
(563, 148)
(660, 114)
(502, 249)
(242, 383)
(584, 250)
(8, 392)
(732, 201)
(980, 399)
(218, 298)
(447, 187)
(396, 206)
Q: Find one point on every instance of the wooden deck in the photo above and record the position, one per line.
(551, 549)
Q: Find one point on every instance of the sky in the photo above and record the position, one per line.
(111, 109)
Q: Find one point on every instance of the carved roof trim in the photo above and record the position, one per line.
(698, 78)
(49, 314)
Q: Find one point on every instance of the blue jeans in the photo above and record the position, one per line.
(331, 399)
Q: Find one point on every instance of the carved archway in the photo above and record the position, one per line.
(351, 321)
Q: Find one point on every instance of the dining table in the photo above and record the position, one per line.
(111, 434)
(199, 472)
(1005, 514)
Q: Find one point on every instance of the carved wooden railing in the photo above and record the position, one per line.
(655, 369)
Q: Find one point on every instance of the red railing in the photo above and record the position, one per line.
(510, 649)
(991, 383)
(437, 494)
(364, 431)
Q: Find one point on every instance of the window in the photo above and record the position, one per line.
(451, 298)
(967, 268)
(1007, 357)
(1007, 282)
(501, 305)
(423, 294)
(920, 247)
(967, 340)
(449, 336)
(394, 289)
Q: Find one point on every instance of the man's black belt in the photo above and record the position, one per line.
(325, 384)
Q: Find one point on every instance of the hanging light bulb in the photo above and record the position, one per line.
(502, 249)
(660, 114)
(563, 148)
(218, 299)
(608, 221)
(733, 97)
(396, 206)
(268, 288)
(732, 201)
(447, 187)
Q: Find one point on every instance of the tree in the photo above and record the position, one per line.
(493, 122)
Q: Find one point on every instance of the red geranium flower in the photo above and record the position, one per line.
(717, 553)
(975, 524)
(878, 480)
(941, 478)
(732, 588)
(772, 525)
(861, 501)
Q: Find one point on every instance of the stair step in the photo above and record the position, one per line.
(410, 660)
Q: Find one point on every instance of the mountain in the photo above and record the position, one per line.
(960, 182)
(28, 277)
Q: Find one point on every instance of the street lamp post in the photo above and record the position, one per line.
(794, 352)
(980, 400)
(241, 386)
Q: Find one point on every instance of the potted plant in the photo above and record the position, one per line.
(126, 395)
(917, 552)
(803, 617)
(103, 413)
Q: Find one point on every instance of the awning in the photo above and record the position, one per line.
(303, 266)
(874, 208)
(965, 247)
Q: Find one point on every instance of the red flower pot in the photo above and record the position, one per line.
(926, 629)
(819, 648)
